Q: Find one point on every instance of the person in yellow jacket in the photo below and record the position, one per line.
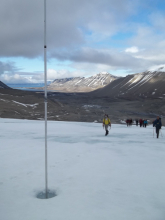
(106, 123)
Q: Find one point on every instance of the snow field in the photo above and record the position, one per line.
(118, 177)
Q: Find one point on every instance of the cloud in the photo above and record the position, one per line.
(22, 25)
(160, 68)
(54, 74)
(95, 35)
(7, 67)
(25, 77)
(68, 21)
(132, 50)
(157, 20)
(112, 59)
(14, 79)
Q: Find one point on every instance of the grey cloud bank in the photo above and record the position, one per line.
(82, 32)
(22, 24)
(7, 67)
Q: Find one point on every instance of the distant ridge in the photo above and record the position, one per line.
(146, 84)
(82, 84)
(4, 86)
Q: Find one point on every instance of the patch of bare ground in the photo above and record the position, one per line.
(76, 106)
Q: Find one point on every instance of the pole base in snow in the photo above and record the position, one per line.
(42, 195)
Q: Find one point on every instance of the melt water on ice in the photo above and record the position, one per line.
(118, 177)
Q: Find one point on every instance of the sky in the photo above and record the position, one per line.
(83, 38)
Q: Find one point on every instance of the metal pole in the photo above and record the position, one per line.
(45, 70)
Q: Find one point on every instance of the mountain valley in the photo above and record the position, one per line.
(134, 96)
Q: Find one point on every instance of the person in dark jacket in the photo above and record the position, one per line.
(137, 122)
(157, 124)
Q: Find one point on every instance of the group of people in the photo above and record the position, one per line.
(142, 122)
(129, 122)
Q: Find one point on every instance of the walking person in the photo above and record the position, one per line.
(157, 124)
(106, 123)
(137, 122)
(145, 123)
(130, 122)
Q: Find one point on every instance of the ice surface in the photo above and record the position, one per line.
(118, 177)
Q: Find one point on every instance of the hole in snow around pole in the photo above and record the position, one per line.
(42, 195)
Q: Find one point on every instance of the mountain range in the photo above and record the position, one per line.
(148, 84)
(134, 96)
(82, 84)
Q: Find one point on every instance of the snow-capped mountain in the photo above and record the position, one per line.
(3, 86)
(82, 84)
(146, 84)
(160, 68)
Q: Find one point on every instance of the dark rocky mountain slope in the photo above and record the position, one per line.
(3, 85)
(149, 84)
